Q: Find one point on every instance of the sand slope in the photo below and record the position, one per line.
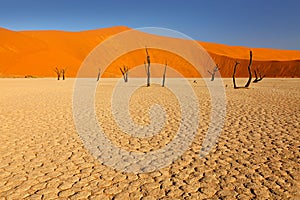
(37, 53)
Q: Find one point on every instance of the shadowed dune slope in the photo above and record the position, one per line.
(37, 53)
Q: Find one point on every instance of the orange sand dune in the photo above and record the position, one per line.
(261, 54)
(37, 53)
(157, 56)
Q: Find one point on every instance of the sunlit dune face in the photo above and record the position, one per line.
(159, 59)
(37, 53)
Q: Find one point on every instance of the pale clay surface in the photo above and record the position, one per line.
(257, 155)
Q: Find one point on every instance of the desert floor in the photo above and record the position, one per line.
(257, 155)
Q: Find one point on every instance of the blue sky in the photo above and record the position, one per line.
(255, 23)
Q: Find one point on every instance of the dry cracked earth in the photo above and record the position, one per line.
(256, 156)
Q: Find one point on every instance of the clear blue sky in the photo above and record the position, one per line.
(255, 23)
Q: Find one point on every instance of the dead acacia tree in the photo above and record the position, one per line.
(164, 76)
(213, 72)
(58, 73)
(256, 77)
(233, 76)
(63, 72)
(124, 72)
(147, 68)
(99, 73)
(249, 72)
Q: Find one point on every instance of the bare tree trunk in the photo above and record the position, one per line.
(148, 68)
(124, 72)
(58, 72)
(148, 75)
(249, 71)
(256, 78)
(164, 76)
(214, 72)
(212, 75)
(233, 76)
(99, 73)
(63, 71)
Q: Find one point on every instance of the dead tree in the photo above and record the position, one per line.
(63, 72)
(213, 72)
(249, 71)
(58, 72)
(256, 77)
(233, 76)
(99, 73)
(147, 68)
(124, 72)
(164, 76)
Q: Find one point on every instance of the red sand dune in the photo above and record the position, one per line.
(37, 53)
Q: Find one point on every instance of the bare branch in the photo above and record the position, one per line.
(261, 76)
(124, 73)
(164, 75)
(256, 77)
(99, 73)
(58, 73)
(215, 69)
(63, 71)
